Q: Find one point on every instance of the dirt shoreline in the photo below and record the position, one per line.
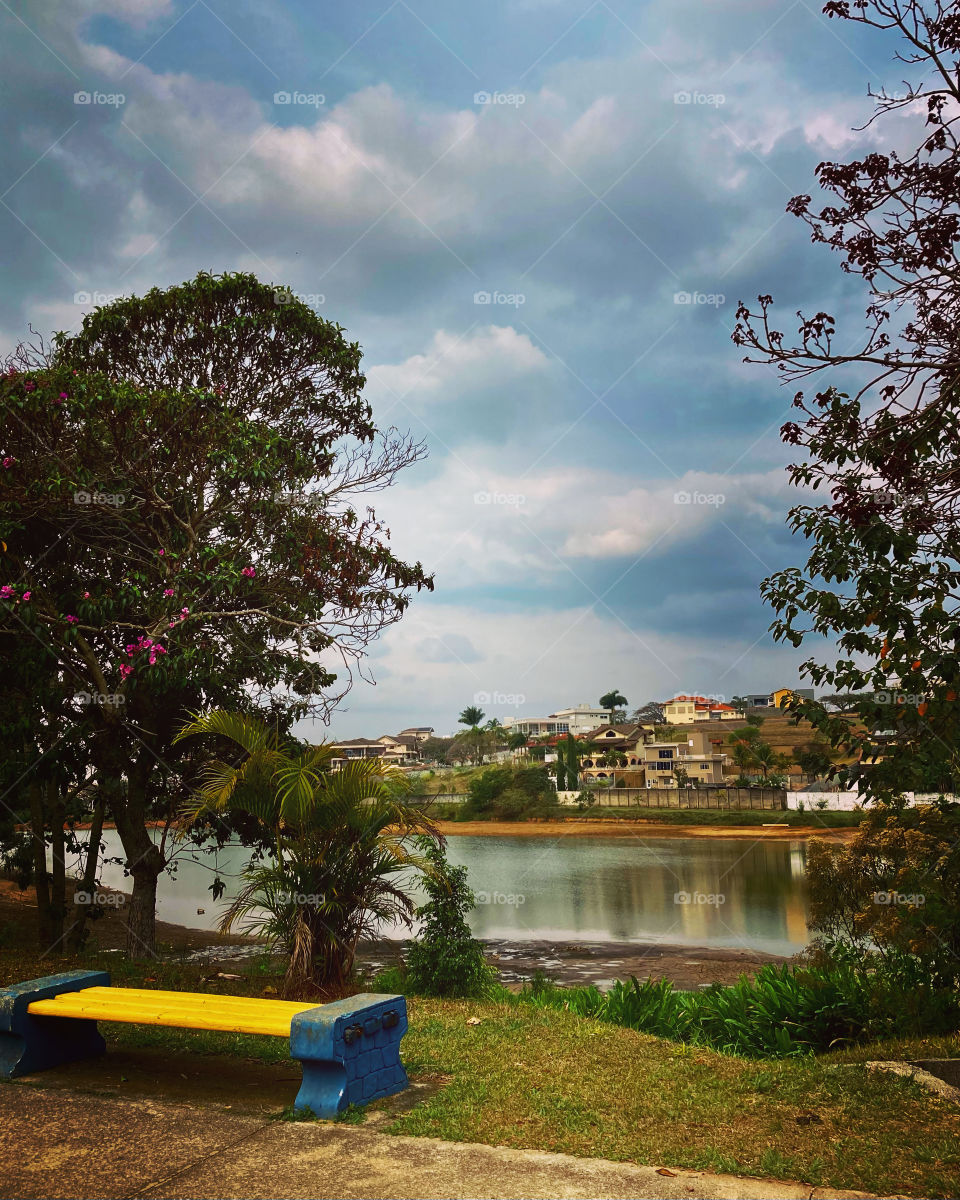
(516, 961)
(574, 827)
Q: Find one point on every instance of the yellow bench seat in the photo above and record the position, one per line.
(191, 1010)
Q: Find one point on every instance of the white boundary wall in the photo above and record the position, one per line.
(848, 801)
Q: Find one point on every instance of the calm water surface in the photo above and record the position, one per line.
(685, 891)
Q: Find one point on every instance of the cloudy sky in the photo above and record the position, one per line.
(537, 217)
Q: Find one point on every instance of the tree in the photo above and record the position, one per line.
(754, 719)
(337, 837)
(650, 713)
(516, 740)
(446, 959)
(814, 758)
(612, 701)
(573, 763)
(882, 578)
(682, 776)
(740, 703)
(472, 716)
(434, 749)
(894, 886)
(561, 768)
(768, 759)
(177, 507)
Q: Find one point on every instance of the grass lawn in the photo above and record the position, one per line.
(546, 1079)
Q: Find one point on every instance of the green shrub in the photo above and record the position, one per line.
(784, 1011)
(446, 959)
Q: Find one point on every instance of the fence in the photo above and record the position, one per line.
(696, 798)
(848, 801)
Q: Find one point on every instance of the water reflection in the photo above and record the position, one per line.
(709, 892)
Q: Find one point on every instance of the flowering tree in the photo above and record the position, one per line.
(883, 575)
(178, 530)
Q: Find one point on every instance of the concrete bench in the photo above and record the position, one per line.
(349, 1050)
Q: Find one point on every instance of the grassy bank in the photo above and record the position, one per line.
(710, 818)
(548, 1080)
(552, 1080)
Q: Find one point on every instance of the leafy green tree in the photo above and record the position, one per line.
(561, 768)
(893, 887)
(650, 713)
(877, 437)
(517, 740)
(339, 842)
(613, 701)
(815, 757)
(471, 716)
(768, 759)
(754, 719)
(573, 763)
(176, 513)
(445, 959)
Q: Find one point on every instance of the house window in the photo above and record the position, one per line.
(665, 754)
(704, 766)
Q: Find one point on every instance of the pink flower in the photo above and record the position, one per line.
(64, 396)
(29, 386)
(168, 591)
(72, 620)
(8, 462)
(161, 553)
(6, 592)
(86, 595)
(249, 572)
(172, 623)
(27, 595)
(125, 670)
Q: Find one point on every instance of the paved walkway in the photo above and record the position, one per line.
(56, 1143)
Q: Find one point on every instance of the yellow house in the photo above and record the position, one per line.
(780, 696)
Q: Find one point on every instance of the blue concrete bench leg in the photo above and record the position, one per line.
(29, 1043)
(350, 1052)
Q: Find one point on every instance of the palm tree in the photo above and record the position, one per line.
(613, 701)
(339, 841)
(768, 759)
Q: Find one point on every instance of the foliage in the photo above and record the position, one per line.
(338, 837)
(613, 701)
(650, 713)
(754, 719)
(785, 1011)
(879, 438)
(445, 959)
(815, 757)
(472, 716)
(193, 458)
(896, 886)
(508, 793)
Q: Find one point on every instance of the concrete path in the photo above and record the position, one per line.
(61, 1144)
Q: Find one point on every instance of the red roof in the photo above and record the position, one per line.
(701, 702)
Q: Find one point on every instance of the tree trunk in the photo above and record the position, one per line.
(57, 812)
(144, 862)
(41, 880)
(77, 932)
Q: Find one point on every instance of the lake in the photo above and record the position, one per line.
(721, 892)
